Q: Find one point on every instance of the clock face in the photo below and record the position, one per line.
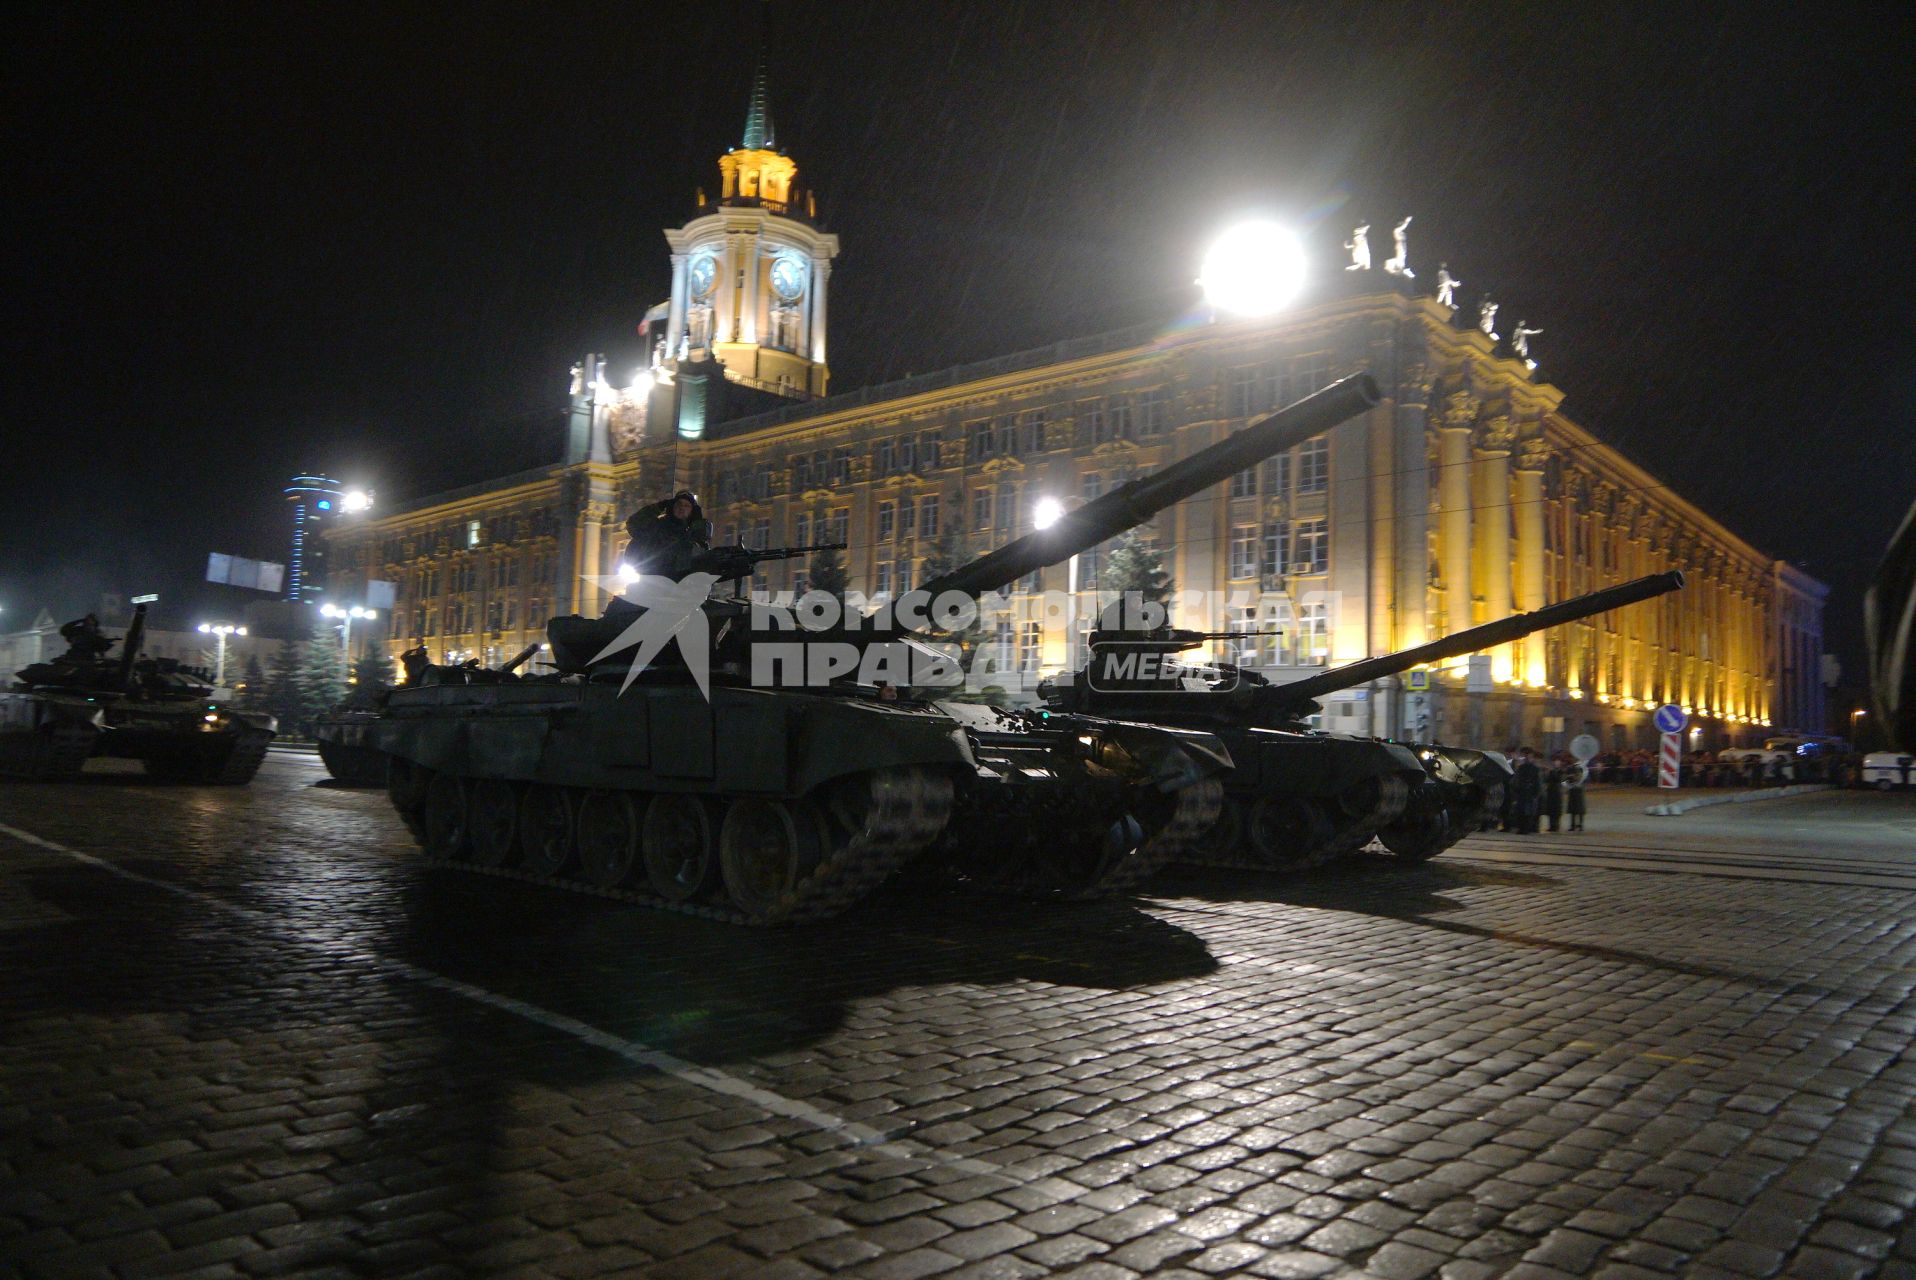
(703, 274)
(788, 278)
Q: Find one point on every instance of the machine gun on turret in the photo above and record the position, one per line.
(736, 563)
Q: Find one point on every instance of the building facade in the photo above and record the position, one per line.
(1465, 496)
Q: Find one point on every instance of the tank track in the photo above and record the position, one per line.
(1197, 810)
(908, 811)
(1356, 834)
(54, 757)
(241, 762)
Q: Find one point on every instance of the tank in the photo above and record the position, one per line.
(85, 703)
(683, 780)
(1297, 796)
(1464, 786)
(1889, 618)
(344, 737)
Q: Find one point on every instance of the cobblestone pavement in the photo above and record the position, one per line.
(242, 1033)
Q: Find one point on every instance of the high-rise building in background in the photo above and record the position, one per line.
(316, 500)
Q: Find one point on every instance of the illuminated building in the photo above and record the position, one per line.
(1465, 496)
(316, 501)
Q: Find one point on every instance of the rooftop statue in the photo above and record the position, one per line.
(1487, 317)
(1447, 286)
(1359, 245)
(1399, 263)
(1520, 343)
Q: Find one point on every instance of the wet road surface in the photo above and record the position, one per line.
(246, 1034)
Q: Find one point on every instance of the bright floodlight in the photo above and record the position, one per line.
(627, 573)
(331, 611)
(355, 500)
(1047, 513)
(1253, 269)
(206, 628)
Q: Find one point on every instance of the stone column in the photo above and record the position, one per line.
(1530, 575)
(748, 327)
(1453, 507)
(821, 274)
(592, 599)
(1492, 499)
(675, 318)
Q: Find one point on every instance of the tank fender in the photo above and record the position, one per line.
(1170, 759)
(832, 738)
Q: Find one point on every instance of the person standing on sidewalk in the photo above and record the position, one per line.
(1574, 778)
(1553, 793)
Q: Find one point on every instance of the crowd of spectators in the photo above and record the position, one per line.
(1744, 769)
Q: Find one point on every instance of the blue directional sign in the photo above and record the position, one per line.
(1670, 718)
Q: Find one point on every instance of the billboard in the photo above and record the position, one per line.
(237, 571)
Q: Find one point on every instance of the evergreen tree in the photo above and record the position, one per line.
(322, 677)
(373, 671)
(280, 689)
(252, 691)
(827, 573)
(950, 550)
(1136, 566)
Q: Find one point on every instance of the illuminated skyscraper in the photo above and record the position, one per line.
(316, 501)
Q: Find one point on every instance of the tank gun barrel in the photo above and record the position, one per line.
(1135, 502)
(1473, 639)
(130, 645)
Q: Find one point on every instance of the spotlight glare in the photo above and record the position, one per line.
(1253, 269)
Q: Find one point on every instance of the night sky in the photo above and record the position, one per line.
(250, 241)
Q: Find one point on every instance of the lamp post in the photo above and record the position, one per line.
(346, 616)
(220, 630)
(1047, 513)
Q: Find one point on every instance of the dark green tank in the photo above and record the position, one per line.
(85, 703)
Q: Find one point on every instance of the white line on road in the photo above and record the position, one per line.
(708, 1078)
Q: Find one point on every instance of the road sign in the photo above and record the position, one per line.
(1670, 759)
(1417, 681)
(1670, 718)
(1585, 747)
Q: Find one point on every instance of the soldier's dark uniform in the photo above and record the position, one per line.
(662, 542)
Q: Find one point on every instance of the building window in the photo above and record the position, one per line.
(928, 517)
(762, 534)
(1117, 417)
(1313, 632)
(903, 580)
(1277, 476)
(1030, 645)
(1244, 550)
(472, 533)
(980, 510)
(1007, 513)
(1156, 415)
(1240, 392)
(1314, 466)
(1277, 542)
(885, 457)
(801, 530)
(886, 518)
(1031, 430)
(978, 440)
(1244, 483)
(1311, 552)
(841, 466)
(883, 585)
(1091, 486)
(928, 451)
(907, 518)
(1241, 622)
(839, 526)
(1091, 420)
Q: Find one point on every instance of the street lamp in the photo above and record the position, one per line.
(1047, 513)
(346, 616)
(1253, 269)
(220, 630)
(354, 501)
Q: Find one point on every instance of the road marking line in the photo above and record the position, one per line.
(708, 1078)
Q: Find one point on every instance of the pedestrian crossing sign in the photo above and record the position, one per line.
(1417, 681)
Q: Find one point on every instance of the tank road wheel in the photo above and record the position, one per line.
(1285, 831)
(406, 784)
(676, 840)
(493, 813)
(1419, 835)
(766, 847)
(608, 835)
(545, 829)
(447, 830)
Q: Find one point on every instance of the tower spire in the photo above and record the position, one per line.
(758, 118)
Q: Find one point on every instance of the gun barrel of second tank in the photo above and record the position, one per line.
(130, 644)
(1132, 504)
(1474, 639)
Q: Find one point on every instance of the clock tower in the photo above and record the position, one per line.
(749, 273)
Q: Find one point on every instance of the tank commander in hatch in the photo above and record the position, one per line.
(667, 536)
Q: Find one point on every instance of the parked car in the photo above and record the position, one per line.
(1887, 770)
